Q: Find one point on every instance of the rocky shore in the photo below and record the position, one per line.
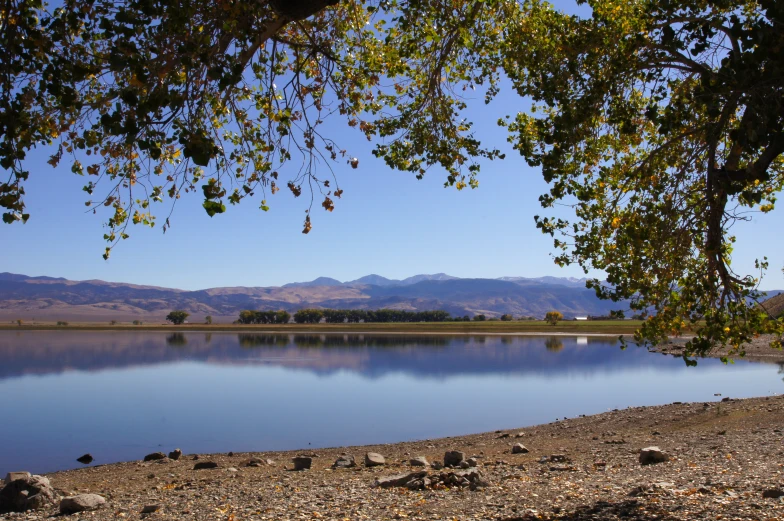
(717, 460)
(758, 350)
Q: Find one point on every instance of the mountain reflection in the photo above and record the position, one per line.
(368, 355)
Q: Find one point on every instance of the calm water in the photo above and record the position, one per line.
(120, 396)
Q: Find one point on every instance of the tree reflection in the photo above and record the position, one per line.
(554, 344)
(176, 340)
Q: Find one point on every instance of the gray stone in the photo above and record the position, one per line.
(472, 462)
(419, 461)
(149, 509)
(436, 465)
(26, 492)
(85, 459)
(38, 501)
(13, 476)
(464, 464)
(453, 458)
(302, 462)
(373, 459)
(205, 465)
(520, 435)
(652, 455)
(175, 454)
(344, 462)
(519, 448)
(254, 462)
(400, 480)
(155, 456)
(81, 503)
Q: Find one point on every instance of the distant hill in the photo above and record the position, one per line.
(321, 281)
(48, 298)
(775, 305)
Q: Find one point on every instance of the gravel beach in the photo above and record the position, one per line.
(724, 460)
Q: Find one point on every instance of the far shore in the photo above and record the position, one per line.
(566, 327)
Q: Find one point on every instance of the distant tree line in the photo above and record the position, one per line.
(340, 316)
(355, 316)
(264, 317)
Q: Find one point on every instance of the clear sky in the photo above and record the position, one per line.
(387, 223)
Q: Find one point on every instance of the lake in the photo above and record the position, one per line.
(120, 395)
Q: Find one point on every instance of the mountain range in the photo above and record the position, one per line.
(48, 298)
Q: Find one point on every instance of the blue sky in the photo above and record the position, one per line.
(387, 223)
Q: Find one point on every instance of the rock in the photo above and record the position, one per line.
(344, 462)
(773, 493)
(81, 503)
(269, 462)
(436, 465)
(175, 454)
(519, 448)
(419, 461)
(155, 456)
(504, 435)
(302, 462)
(38, 501)
(453, 458)
(13, 476)
(373, 459)
(254, 462)
(558, 458)
(205, 465)
(85, 459)
(26, 492)
(399, 480)
(652, 455)
(519, 435)
(726, 399)
(464, 464)
(232, 469)
(472, 462)
(149, 509)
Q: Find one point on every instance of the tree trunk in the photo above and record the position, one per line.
(300, 9)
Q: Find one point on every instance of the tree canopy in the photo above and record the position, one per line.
(659, 122)
(662, 124)
(152, 99)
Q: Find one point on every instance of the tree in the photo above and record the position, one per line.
(153, 100)
(208, 319)
(506, 317)
(177, 317)
(553, 317)
(308, 316)
(479, 318)
(661, 124)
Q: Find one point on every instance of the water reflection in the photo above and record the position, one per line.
(369, 355)
(177, 340)
(120, 395)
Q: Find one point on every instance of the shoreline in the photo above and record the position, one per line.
(723, 455)
(609, 328)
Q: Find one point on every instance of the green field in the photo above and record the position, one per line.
(609, 327)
